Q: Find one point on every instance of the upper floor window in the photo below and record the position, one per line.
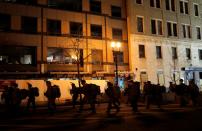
(53, 27)
(119, 56)
(141, 51)
(117, 33)
(139, 1)
(186, 31)
(76, 28)
(96, 31)
(184, 7)
(198, 30)
(28, 24)
(5, 22)
(97, 57)
(158, 52)
(27, 2)
(200, 54)
(155, 3)
(188, 53)
(170, 5)
(140, 27)
(116, 11)
(196, 9)
(95, 6)
(174, 52)
(156, 27)
(172, 29)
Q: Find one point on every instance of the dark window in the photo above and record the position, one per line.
(29, 24)
(18, 55)
(160, 29)
(95, 6)
(139, 24)
(139, 1)
(169, 29)
(54, 27)
(158, 52)
(116, 11)
(196, 12)
(5, 22)
(174, 29)
(119, 56)
(153, 26)
(72, 5)
(198, 30)
(186, 8)
(64, 56)
(174, 52)
(27, 2)
(152, 3)
(76, 29)
(200, 75)
(141, 51)
(200, 54)
(167, 4)
(117, 34)
(189, 31)
(96, 31)
(184, 31)
(181, 7)
(173, 5)
(158, 4)
(188, 53)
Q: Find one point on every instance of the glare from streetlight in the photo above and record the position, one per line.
(118, 44)
(113, 44)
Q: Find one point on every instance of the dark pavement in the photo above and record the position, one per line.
(169, 118)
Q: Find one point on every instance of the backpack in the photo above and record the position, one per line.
(35, 91)
(56, 91)
(95, 89)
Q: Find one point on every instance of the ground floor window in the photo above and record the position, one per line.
(18, 55)
(64, 56)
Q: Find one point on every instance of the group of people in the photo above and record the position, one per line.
(186, 92)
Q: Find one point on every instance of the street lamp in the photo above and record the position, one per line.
(116, 49)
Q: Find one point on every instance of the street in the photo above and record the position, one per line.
(169, 118)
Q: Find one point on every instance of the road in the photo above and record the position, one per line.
(169, 118)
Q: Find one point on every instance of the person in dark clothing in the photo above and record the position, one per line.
(75, 94)
(51, 97)
(181, 91)
(148, 92)
(112, 97)
(31, 98)
(133, 94)
(193, 91)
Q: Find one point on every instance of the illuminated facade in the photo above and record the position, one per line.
(41, 37)
(165, 40)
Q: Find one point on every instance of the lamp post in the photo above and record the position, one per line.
(116, 49)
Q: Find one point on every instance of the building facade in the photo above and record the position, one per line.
(48, 37)
(165, 40)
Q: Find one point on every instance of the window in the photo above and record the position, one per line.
(184, 9)
(155, 3)
(97, 57)
(200, 75)
(29, 24)
(138, 1)
(196, 11)
(96, 31)
(53, 27)
(156, 27)
(172, 29)
(188, 53)
(76, 29)
(116, 11)
(158, 52)
(5, 22)
(170, 5)
(18, 55)
(72, 5)
(117, 33)
(141, 51)
(95, 6)
(174, 52)
(200, 54)
(198, 30)
(64, 56)
(140, 27)
(27, 2)
(119, 56)
(186, 31)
